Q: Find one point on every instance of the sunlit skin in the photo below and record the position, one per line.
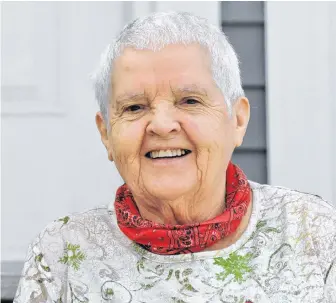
(169, 100)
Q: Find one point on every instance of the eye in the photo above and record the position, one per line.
(134, 108)
(190, 101)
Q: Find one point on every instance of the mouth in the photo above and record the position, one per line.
(167, 154)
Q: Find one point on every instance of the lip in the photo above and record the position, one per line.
(165, 148)
(147, 154)
(168, 161)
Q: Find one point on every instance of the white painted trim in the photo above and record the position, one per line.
(300, 96)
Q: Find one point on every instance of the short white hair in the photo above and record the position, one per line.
(158, 30)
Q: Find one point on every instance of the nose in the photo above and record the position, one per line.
(163, 122)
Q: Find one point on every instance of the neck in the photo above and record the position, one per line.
(233, 238)
(195, 207)
(169, 216)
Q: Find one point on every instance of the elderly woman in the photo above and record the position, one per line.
(187, 225)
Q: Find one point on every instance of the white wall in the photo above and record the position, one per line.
(301, 102)
(52, 159)
(53, 162)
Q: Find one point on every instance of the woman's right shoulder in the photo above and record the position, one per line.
(78, 227)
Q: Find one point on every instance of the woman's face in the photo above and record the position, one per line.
(168, 100)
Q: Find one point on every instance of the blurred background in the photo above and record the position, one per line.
(53, 162)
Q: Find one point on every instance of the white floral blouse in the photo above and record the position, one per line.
(287, 254)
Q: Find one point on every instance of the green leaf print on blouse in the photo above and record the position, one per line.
(108, 292)
(235, 265)
(157, 273)
(183, 279)
(65, 220)
(72, 256)
(38, 259)
(262, 226)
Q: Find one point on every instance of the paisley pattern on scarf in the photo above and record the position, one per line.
(168, 239)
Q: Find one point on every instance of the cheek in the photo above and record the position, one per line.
(126, 138)
(210, 132)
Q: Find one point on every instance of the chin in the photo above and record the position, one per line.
(170, 190)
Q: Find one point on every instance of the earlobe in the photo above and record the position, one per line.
(101, 126)
(110, 157)
(242, 112)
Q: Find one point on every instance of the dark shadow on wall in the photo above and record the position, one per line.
(244, 24)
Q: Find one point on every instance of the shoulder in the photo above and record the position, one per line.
(73, 228)
(305, 217)
(281, 197)
(65, 243)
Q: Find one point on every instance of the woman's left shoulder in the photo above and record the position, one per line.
(283, 197)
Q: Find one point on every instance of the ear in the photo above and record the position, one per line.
(103, 133)
(241, 112)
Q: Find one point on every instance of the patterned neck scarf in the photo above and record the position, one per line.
(166, 239)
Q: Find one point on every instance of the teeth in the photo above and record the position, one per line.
(167, 153)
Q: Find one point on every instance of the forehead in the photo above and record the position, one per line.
(174, 66)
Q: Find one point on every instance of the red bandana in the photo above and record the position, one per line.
(176, 239)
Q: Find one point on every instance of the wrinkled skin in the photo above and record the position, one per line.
(169, 99)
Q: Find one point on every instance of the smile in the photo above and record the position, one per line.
(169, 153)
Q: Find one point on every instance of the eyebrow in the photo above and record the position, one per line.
(129, 97)
(196, 89)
